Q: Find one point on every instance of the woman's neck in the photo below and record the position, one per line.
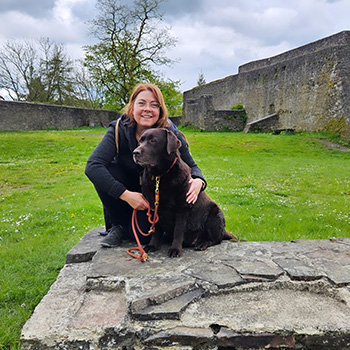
(139, 131)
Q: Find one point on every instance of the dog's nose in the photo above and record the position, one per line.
(136, 152)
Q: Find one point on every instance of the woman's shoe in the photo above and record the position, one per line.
(114, 237)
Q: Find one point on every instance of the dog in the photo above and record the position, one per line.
(199, 225)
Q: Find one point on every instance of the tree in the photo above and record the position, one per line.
(172, 96)
(132, 40)
(55, 69)
(201, 79)
(17, 72)
(36, 72)
(88, 94)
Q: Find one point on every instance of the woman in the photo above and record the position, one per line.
(115, 175)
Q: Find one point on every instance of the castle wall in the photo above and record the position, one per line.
(308, 87)
(36, 116)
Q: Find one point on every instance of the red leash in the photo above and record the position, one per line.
(135, 225)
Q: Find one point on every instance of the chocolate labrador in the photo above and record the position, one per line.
(199, 225)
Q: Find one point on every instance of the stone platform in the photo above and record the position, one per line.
(249, 295)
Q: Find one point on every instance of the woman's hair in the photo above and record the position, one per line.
(163, 112)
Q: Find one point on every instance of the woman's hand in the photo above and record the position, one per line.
(193, 192)
(135, 199)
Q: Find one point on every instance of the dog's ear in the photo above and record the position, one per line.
(173, 143)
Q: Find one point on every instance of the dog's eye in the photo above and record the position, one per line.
(152, 140)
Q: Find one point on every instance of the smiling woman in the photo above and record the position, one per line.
(116, 176)
(146, 111)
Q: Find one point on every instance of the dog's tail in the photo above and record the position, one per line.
(231, 236)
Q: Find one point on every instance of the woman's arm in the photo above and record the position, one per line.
(97, 165)
(186, 156)
(197, 182)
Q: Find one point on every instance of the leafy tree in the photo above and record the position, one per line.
(56, 72)
(131, 41)
(172, 96)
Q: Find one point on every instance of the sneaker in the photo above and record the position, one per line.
(114, 237)
(103, 233)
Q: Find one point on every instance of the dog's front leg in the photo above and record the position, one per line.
(175, 249)
(155, 242)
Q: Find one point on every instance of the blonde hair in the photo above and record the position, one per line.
(163, 112)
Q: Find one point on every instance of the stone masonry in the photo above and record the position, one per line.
(37, 116)
(248, 295)
(202, 113)
(308, 87)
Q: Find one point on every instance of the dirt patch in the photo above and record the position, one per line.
(333, 145)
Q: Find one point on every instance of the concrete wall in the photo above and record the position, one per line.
(35, 116)
(309, 87)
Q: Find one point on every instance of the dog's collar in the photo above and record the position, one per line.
(174, 162)
(171, 166)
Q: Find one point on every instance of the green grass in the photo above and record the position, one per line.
(270, 188)
(276, 187)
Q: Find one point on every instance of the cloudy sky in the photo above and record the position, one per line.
(214, 37)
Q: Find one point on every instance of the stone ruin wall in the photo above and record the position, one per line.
(21, 116)
(36, 116)
(309, 87)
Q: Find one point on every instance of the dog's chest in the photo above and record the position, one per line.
(172, 192)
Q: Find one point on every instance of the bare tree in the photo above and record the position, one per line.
(89, 94)
(17, 68)
(36, 72)
(132, 40)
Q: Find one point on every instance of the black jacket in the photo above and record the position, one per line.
(105, 155)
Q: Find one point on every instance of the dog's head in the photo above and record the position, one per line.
(156, 146)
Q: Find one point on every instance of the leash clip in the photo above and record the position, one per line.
(157, 183)
(156, 192)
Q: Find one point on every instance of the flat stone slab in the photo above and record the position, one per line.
(248, 295)
(87, 248)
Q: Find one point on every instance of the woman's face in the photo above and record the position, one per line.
(146, 110)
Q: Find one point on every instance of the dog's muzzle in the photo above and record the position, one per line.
(136, 154)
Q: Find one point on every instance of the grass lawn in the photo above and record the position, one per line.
(270, 187)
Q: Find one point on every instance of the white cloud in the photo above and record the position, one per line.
(5, 95)
(215, 37)
(60, 25)
(217, 50)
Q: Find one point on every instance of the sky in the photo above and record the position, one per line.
(214, 37)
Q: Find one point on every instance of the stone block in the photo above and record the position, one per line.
(229, 339)
(184, 336)
(219, 274)
(86, 248)
(168, 310)
(249, 295)
(253, 267)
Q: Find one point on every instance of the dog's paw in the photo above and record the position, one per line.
(202, 245)
(150, 248)
(174, 252)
